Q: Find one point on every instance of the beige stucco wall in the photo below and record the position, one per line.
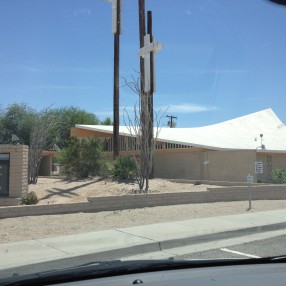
(177, 165)
(270, 162)
(18, 171)
(229, 165)
(206, 165)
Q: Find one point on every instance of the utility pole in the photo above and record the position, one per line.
(148, 48)
(143, 103)
(150, 95)
(142, 33)
(171, 120)
(116, 81)
(116, 30)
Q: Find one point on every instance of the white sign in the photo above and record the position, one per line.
(145, 54)
(259, 167)
(250, 179)
(114, 15)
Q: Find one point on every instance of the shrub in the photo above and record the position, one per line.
(83, 158)
(125, 168)
(30, 199)
(279, 176)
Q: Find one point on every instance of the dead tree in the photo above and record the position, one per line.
(40, 140)
(140, 131)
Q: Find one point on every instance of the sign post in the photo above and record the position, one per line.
(250, 182)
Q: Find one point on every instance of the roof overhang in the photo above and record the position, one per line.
(242, 133)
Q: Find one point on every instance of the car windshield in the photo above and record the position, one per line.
(141, 130)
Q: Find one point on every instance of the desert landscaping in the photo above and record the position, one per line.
(58, 190)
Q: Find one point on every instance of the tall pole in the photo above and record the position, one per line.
(143, 103)
(142, 33)
(116, 82)
(150, 95)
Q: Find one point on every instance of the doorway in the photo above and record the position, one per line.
(4, 174)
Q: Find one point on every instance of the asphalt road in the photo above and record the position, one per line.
(275, 246)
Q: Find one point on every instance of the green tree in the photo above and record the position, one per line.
(106, 121)
(68, 117)
(41, 130)
(83, 158)
(17, 119)
(37, 129)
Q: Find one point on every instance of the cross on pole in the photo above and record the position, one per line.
(145, 53)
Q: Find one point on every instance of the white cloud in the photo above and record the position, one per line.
(82, 12)
(206, 71)
(254, 98)
(21, 67)
(80, 69)
(176, 108)
(219, 71)
(29, 68)
(59, 69)
(104, 113)
(61, 87)
(186, 108)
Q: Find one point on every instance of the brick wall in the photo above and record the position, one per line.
(18, 172)
(112, 203)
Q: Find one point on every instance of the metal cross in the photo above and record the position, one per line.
(145, 52)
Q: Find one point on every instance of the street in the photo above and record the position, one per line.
(275, 246)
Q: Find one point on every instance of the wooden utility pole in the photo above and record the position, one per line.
(116, 31)
(148, 49)
(171, 122)
(150, 95)
(142, 33)
(143, 103)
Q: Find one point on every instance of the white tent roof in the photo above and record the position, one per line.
(240, 133)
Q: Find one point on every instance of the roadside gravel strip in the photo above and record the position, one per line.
(35, 227)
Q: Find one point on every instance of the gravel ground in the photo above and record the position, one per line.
(53, 191)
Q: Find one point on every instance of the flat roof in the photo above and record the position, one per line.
(242, 133)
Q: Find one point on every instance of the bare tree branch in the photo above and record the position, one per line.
(140, 132)
(40, 141)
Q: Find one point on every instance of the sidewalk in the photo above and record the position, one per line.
(141, 240)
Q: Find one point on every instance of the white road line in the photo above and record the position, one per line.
(240, 253)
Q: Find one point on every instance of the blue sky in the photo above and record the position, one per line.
(221, 58)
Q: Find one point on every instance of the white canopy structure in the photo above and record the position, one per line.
(242, 133)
